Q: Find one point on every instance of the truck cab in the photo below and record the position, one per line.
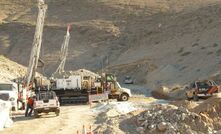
(9, 92)
(123, 93)
(115, 89)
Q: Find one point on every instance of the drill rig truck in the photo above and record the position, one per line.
(86, 88)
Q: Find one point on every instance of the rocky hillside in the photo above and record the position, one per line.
(158, 42)
(10, 70)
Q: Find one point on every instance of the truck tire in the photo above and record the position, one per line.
(60, 100)
(36, 115)
(195, 97)
(124, 97)
(57, 112)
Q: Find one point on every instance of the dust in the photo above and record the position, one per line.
(175, 92)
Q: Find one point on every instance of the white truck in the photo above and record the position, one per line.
(79, 88)
(45, 102)
(9, 92)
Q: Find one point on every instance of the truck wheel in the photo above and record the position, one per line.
(124, 97)
(36, 114)
(195, 97)
(57, 112)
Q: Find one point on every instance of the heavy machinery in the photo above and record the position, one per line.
(86, 88)
(64, 52)
(201, 89)
(36, 46)
(30, 80)
(114, 89)
(83, 87)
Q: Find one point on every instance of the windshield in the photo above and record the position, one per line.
(45, 95)
(7, 87)
(202, 84)
(118, 85)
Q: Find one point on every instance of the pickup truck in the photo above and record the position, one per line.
(201, 88)
(45, 102)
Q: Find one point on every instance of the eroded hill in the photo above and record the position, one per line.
(155, 41)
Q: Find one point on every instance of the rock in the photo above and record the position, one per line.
(178, 117)
(171, 129)
(170, 132)
(144, 123)
(153, 126)
(194, 115)
(162, 126)
(140, 130)
(209, 130)
(172, 120)
(218, 132)
(184, 110)
(159, 112)
(183, 116)
(141, 118)
(189, 131)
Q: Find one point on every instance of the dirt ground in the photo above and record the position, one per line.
(71, 119)
(121, 117)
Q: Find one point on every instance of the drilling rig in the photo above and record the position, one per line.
(36, 46)
(82, 87)
(35, 52)
(64, 53)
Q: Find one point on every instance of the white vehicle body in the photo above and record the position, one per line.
(124, 90)
(45, 102)
(119, 93)
(5, 120)
(73, 82)
(10, 90)
(65, 86)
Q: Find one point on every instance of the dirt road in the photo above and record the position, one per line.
(71, 119)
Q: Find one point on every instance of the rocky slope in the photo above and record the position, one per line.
(10, 70)
(158, 42)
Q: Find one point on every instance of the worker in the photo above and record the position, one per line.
(29, 106)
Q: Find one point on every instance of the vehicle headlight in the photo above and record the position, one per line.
(12, 99)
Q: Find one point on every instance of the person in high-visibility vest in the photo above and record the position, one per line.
(29, 106)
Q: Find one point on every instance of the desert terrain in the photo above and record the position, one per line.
(163, 45)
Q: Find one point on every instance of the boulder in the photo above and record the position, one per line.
(162, 126)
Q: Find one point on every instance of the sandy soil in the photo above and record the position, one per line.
(71, 119)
